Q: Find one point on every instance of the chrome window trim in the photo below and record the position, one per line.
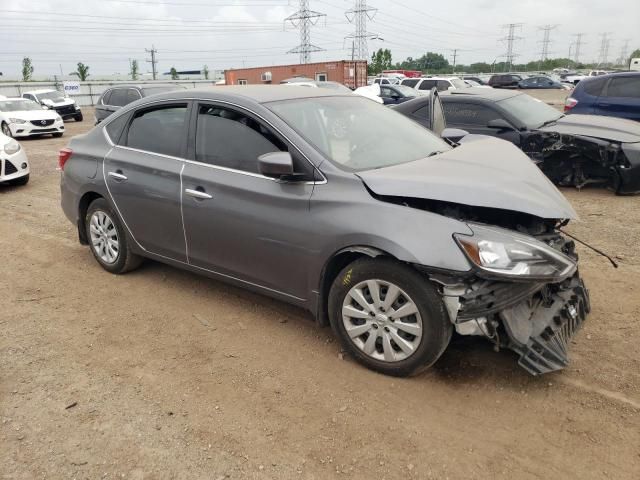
(233, 170)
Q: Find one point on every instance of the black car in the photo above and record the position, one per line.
(114, 98)
(572, 150)
(474, 79)
(506, 80)
(539, 82)
(394, 94)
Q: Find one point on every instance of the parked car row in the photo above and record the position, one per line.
(302, 194)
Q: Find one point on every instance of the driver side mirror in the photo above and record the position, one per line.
(499, 124)
(276, 165)
(453, 135)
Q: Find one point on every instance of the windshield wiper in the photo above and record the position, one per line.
(550, 122)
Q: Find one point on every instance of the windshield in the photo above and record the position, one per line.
(456, 82)
(356, 133)
(406, 91)
(530, 111)
(18, 105)
(54, 96)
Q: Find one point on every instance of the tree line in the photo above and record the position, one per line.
(437, 63)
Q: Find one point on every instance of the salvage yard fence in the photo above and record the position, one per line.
(90, 91)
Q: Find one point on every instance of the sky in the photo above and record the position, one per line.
(106, 34)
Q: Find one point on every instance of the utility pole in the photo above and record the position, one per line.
(605, 43)
(359, 15)
(455, 55)
(576, 52)
(510, 40)
(624, 60)
(304, 19)
(546, 41)
(153, 60)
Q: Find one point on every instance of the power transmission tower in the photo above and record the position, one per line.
(510, 40)
(359, 15)
(579, 43)
(455, 56)
(605, 43)
(546, 41)
(304, 19)
(624, 60)
(153, 60)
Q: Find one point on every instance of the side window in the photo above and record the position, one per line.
(594, 87)
(412, 82)
(228, 138)
(158, 130)
(105, 97)
(115, 128)
(469, 114)
(386, 92)
(132, 95)
(118, 97)
(427, 85)
(624, 87)
(443, 85)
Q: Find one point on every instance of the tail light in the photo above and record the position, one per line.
(570, 103)
(63, 156)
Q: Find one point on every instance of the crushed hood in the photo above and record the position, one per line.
(485, 173)
(598, 126)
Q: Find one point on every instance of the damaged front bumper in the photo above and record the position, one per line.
(535, 320)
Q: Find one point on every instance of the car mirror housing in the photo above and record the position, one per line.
(276, 164)
(499, 124)
(453, 135)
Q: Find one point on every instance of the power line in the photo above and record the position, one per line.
(153, 60)
(546, 41)
(359, 15)
(510, 40)
(304, 18)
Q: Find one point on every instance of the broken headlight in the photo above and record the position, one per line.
(503, 253)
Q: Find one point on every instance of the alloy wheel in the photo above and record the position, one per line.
(104, 237)
(382, 320)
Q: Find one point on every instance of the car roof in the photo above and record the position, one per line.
(617, 74)
(257, 93)
(142, 86)
(493, 94)
(14, 98)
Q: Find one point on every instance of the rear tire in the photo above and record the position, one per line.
(403, 326)
(78, 117)
(108, 240)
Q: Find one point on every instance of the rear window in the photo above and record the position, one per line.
(594, 87)
(119, 97)
(624, 87)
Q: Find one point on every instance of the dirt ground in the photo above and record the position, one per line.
(162, 374)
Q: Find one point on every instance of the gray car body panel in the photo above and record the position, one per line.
(292, 231)
(597, 126)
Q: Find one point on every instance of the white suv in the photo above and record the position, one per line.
(441, 83)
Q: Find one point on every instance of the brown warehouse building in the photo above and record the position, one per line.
(353, 74)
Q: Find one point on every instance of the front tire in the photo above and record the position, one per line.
(6, 130)
(57, 134)
(388, 317)
(107, 239)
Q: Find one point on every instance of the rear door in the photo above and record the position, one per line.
(621, 98)
(142, 173)
(239, 223)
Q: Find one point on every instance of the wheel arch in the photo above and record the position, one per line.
(83, 205)
(334, 266)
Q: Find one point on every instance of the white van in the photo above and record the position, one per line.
(634, 64)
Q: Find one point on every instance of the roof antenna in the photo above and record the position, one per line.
(599, 252)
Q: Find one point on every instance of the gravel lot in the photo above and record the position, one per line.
(164, 374)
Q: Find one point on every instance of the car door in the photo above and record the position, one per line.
(620, 98)
(475, 117)
(103, 109)
(239, 223)
(142, 174)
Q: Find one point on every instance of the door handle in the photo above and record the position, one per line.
(201, 194)
(117, 176)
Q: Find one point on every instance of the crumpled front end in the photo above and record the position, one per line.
(536, 318)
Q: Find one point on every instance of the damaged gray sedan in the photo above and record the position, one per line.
(395, 240)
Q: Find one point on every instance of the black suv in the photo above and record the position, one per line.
(507, 80)
(114, 98)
